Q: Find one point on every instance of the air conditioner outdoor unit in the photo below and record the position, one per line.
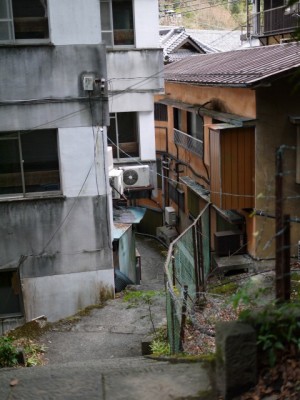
(116, 183)
(136, 176)
(229, 242)
(170, 216)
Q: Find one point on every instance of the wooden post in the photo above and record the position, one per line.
(286, 257)
(279, 227)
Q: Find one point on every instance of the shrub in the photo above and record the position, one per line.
(8, 352)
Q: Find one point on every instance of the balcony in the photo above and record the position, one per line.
(275, 21)
(188, 142)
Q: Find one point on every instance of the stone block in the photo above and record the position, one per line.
(236, 363)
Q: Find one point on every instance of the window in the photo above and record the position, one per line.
(23, 20)
(177, 116)
(195, 125)
(117, 22)
(176, 195)
(123, 135)
(193, 203)
(10, 293)
(29, 162)
(188, 131)
(159, 172)
(160, 112)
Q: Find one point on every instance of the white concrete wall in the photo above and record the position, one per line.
(146, 20)
(76, 151)
(147, 138)
(127, 102)
(135, 71)
(74, 291)
(74, 21)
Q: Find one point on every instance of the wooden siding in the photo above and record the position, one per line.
(232, 168)
(215, 170)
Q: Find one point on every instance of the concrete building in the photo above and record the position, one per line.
(135, 69)
(55, 197)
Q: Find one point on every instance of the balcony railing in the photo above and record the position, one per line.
(188, 142)
(275, 21)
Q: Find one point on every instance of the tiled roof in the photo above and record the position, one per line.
(212, 41)
(173, 38)
(220, 40)
(245, 67)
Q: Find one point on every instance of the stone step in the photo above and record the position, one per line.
(118, 379)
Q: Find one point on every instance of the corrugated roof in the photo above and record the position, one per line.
(128, 215)
(245, 67)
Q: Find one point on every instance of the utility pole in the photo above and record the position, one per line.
(282, 265)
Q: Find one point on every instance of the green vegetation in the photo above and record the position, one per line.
(160, 345)
(8, 352)
(250, 295)
(278, 328)
(11, 351)
(228, 288)
(160, 348)
(136, 297)
(33, 353)
(295, 286)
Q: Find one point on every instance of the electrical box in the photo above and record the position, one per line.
(88, 82)
(170, 216)
(229, 242)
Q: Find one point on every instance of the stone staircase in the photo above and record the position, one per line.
(130, 378)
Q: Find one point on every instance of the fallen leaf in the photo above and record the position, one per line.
(14, 382)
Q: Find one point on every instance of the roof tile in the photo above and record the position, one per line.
(244, 67)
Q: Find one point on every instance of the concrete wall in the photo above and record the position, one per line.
(74, 291)
(42, 86)
(274, 106)
(81, 169)
(135, 71)
(74, 22)
(146, 21)
(52, 239)
(62, 244)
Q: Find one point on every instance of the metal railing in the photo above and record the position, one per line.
(188, 142)
(275, 21)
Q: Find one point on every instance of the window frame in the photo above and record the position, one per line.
(11, 21)
(25, 193)
(112, 30)
(160, 112)
(117, 145)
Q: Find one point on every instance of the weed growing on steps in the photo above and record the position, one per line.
(136, 297)
(160, 345)
(8, 352)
